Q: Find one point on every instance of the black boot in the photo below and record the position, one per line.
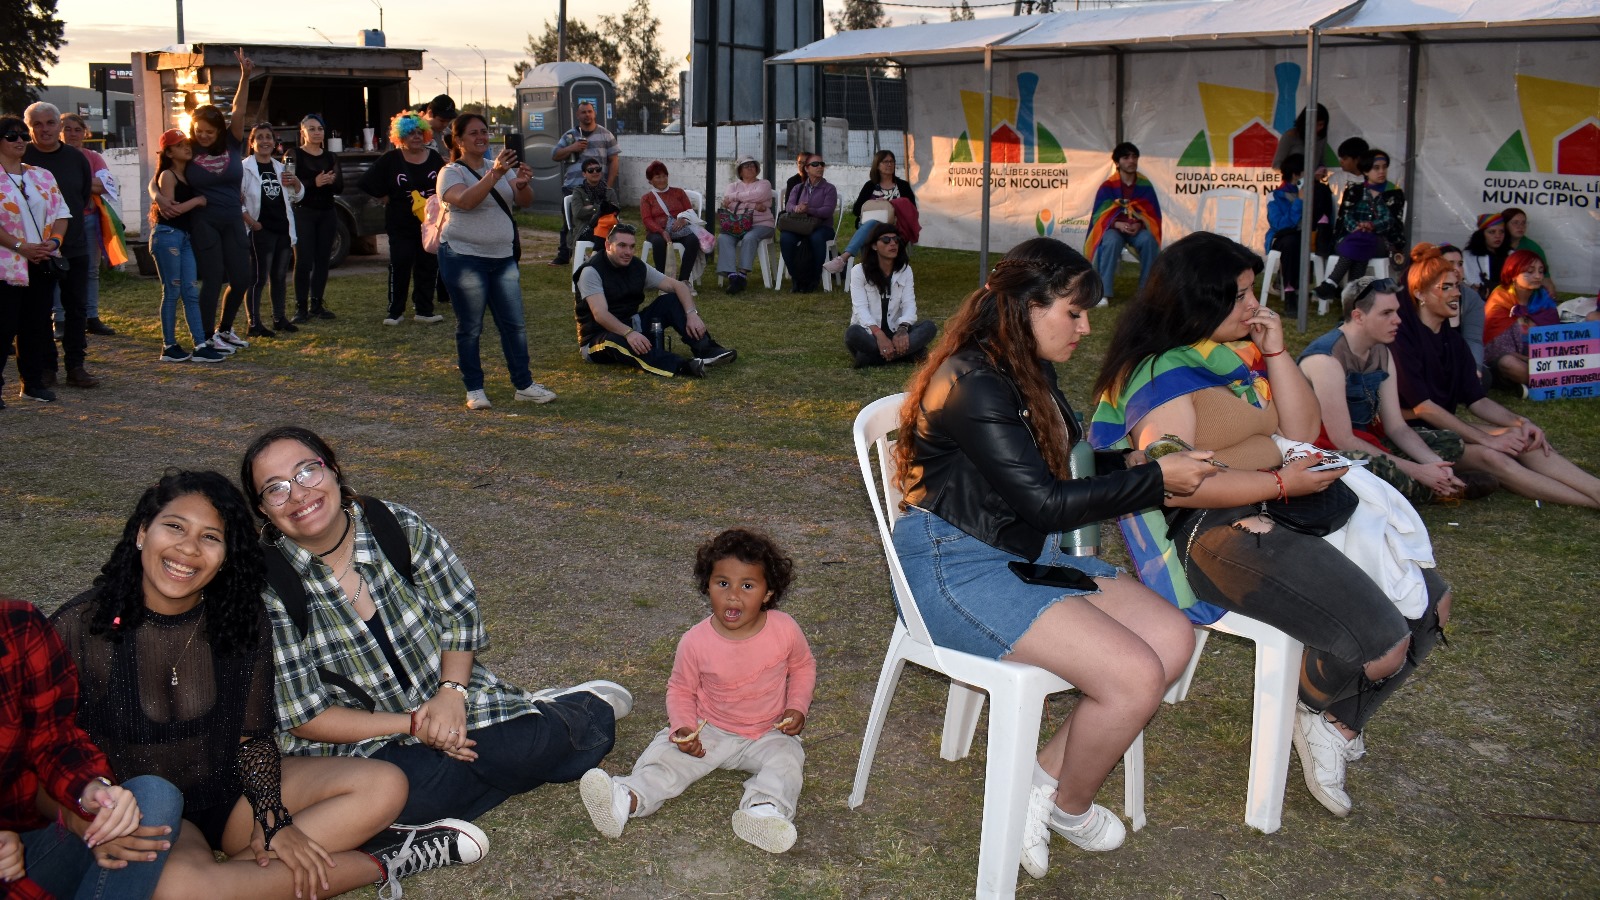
(318, 311)
(301, 315)
(95, 326)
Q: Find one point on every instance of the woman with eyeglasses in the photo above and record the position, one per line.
(221, 242)
(376, 630)
(1196, 360)
(33, 222)
(1437, 376)
(668, 218)
(403, 179)
(316, 221)
(883, 185)
(884, 326)
(591, 200)
(173, 649)
(751, 195)
(803, 254)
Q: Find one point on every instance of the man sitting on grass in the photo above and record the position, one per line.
(612, 329)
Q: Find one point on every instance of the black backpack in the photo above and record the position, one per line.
(286, 582)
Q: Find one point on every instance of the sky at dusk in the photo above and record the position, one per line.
(111, 30)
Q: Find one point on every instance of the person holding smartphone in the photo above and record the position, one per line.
(985, 436)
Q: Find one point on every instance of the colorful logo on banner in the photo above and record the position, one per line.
(1045, 223)
(1017, 137)
(1241, 132)
(1561, 129)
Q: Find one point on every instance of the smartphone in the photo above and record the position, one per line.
(1171, 443)
(1337, 462)
(1054, 576)
(514, 142)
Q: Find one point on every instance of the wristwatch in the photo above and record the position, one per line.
(18, 246)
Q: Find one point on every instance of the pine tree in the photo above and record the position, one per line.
(584, 44)
(520, 70)
(859, 15)
(962, 13)
(649, 83)
(33, 35)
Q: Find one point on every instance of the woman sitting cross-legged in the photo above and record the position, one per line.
(985, 436)
(883, 303)
(376, 629)
(174, 654)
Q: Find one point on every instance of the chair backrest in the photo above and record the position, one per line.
(566, 208)
(698, 201)
(873, 426)
(1232, 208)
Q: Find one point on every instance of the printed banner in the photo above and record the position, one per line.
(1516, 127)
(1564, 361)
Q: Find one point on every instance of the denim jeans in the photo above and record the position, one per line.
(567, 736)
(741, 249)
(476, 282)
(859, 239)
(1108, 255)
(175, 265)
(91, 234)
(60, 863)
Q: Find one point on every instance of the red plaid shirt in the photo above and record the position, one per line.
(40, 741)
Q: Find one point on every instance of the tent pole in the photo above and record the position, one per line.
(1414, 64)
(988, 131)
(769, 96)
(1120, 82)
(1308, 178)
(713, 92)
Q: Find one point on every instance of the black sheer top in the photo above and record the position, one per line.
(161, 702)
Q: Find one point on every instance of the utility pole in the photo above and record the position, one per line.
(380, 14)
(561, 32)
(180, 21)
(485, 80)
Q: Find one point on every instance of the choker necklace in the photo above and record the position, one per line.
(192, 632)
(346, 533)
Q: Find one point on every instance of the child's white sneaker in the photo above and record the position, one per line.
(765, 826)
(606, 801)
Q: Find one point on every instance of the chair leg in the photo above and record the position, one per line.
(1008, 776)
(1180, 688)
(888, 680)
(1272, 729)
(961, 713)
(1133, 782)
(766, 268)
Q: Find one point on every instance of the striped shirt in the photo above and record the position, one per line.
(438, 613)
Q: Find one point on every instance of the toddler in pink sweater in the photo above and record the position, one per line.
(740, 689)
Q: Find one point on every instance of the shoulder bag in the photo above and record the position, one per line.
(798, 223)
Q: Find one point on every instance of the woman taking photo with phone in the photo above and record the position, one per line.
(985, 436)
(316, 221)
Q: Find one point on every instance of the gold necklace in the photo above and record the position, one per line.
(192, 632)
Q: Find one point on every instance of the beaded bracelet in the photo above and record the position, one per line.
(1283, 494)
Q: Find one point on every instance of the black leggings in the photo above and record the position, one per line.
(1306, 588)
(658, 252)
(412, 269)
(272, 270)
(221, 254)
(315, 230)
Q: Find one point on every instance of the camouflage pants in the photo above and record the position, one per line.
(1448, 445)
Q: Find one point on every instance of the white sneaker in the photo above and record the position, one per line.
(408, 849)
(220, 345)
(606, 801)
(478, 400)
(537, 393)
(764, 826)
(428, 319)
(836, 265)
(233, 339)
(1036, 831)
(392, 321)
(620, 698)
(1323, 752)
(1104, 302)
(1103, 831)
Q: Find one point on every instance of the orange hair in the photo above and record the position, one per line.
(1428, 265)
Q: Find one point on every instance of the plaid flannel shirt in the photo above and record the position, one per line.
(439, 613)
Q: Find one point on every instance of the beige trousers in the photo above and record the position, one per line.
(775, 761)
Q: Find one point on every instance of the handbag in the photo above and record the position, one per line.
(798, 223)
(734, 223)
(1319, 514)
(883, 206)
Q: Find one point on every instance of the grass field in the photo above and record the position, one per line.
(578, 521)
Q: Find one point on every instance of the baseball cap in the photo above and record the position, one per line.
(172, 137)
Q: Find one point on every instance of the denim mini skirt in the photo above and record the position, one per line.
(969, 598)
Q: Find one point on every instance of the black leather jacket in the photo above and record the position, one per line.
(977, 466)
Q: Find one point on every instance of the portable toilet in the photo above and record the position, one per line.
(547, 106)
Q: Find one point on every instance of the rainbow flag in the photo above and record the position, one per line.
(1108, 202)
(113, 237)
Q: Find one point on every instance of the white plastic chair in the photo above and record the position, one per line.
(1017, 691)
(1274, 261)
(830, 250)
(1232, 209)
(1378, 266)
(580, 249)
(697, 202)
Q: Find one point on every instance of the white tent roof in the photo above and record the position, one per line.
(1207, 24)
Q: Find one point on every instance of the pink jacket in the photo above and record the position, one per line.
(744, 686)
(747, 195)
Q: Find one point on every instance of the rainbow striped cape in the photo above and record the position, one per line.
(1108, 201)
(1237, 366)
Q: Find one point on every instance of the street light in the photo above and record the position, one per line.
(485, 79)
(447, 73)
(320, 34)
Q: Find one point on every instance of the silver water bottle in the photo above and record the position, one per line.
(1086, 540)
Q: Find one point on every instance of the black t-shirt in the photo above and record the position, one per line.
(307, 168)
(74, 177)
(274, 214)
(393, 177)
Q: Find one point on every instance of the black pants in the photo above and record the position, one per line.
(412, 269)
(613, 349)
(1287, 242)
(74, 285)
(658, 252)
(25, 318)
(273, 253)
(314, 230)
(221, 255)
(864, 347)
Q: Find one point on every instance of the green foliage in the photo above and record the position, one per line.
(649, 85)
(584, 44)
(521, 69)
(962, 13)
(859, 15)
(32, 36)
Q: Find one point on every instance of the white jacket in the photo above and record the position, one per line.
(250, 193)
(866, 304)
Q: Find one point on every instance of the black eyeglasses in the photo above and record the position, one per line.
(1378, 286)
(14, 136)
(588, 169)
(817, 165)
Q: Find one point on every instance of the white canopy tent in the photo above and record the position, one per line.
(1123, 35)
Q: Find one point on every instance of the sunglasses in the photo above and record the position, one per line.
(889, 239)
(1378, 286)
(14, 136)
(588, 169)
(817, 165)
